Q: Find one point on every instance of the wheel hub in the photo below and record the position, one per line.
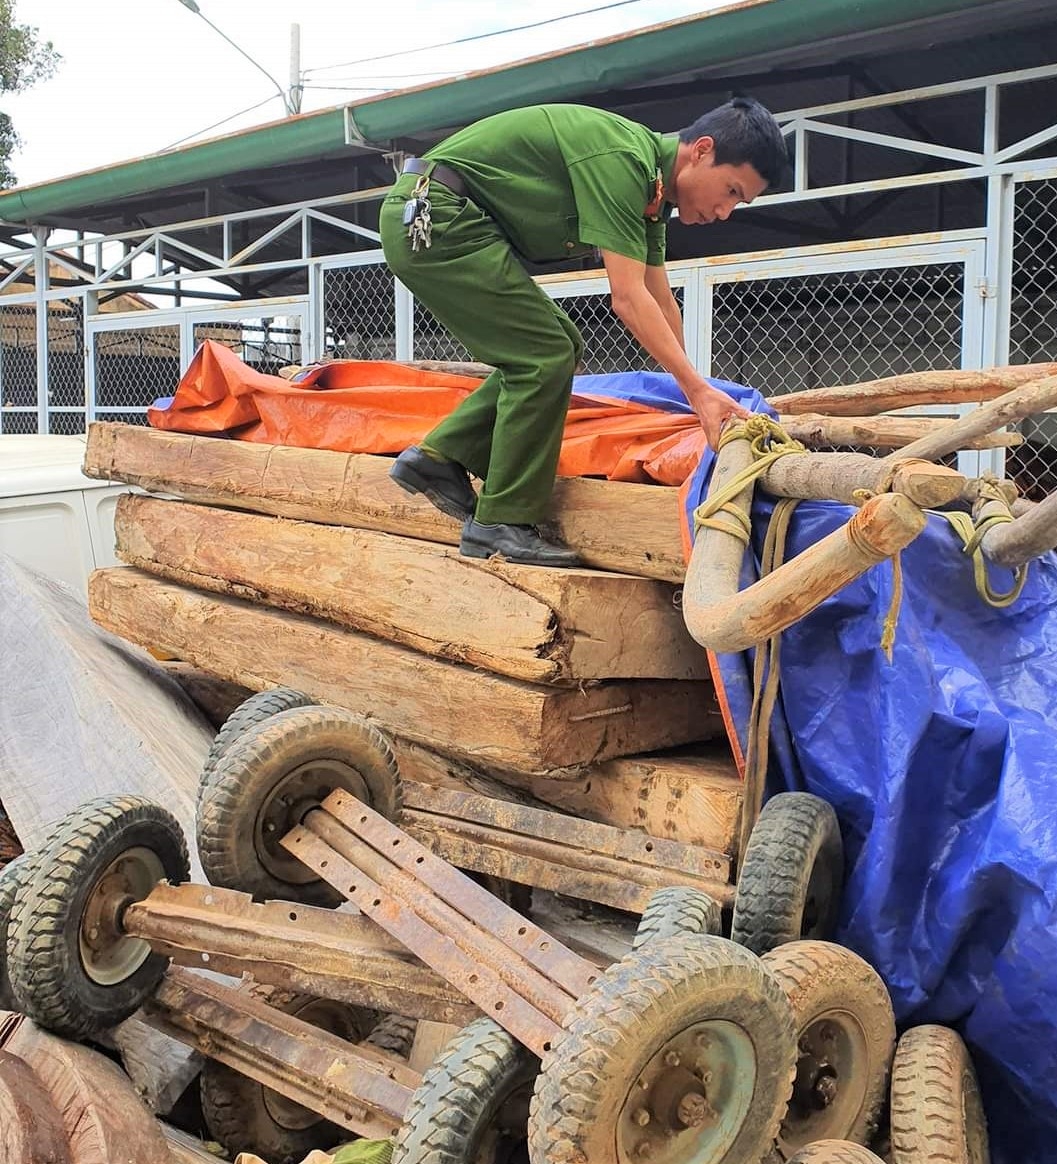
(827, 1092)
(108, 954)
(294, 796)
(327, 1015)
(690, 1098)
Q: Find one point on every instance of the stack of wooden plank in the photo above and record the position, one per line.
(580, 689)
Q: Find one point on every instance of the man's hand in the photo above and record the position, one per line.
(714, 409)
(640, 311)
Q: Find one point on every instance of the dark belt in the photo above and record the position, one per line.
(442, 174)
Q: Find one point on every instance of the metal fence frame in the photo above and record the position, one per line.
(165, 258)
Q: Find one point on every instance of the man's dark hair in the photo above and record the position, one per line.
(744, 131)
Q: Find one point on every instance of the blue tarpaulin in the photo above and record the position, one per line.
(940, 766)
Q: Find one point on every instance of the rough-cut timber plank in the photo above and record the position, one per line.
(613, 525)
(911, 390)
(691, 795)
(546, 626)
(499, 721)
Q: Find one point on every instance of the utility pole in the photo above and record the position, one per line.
(296, 88)
(291, 98)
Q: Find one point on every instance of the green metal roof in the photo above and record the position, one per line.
(748, 29)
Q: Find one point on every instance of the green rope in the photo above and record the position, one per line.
(972, 534)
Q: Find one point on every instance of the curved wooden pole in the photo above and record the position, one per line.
(840, 476)
(911, 390)
(1027, 400)
(879, 432)
(1016, 542)
(722, 618)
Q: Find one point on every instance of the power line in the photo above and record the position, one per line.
(218, 124)
(477, 36)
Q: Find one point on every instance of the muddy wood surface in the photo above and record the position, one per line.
(500, 721)
(541, 625)
(613, 525)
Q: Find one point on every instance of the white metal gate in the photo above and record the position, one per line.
(138, 357)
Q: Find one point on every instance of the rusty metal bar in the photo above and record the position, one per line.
(647, 877)
(310, 1066)
(586, 838)
(332, 955)
(529, 983)
(477, 981)
(538, 948)
(470, 846)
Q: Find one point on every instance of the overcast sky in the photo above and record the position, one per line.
(140, 75)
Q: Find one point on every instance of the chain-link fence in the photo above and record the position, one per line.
(359, 312)
(18, 369)
(267, 343)
(808, 331)
(133, 368)
(1033, 327)
(66, 399)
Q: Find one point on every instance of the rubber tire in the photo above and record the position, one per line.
(250, 712)
(678, 910)
(820, 978)
(235, 1107)
(44, 960)
(791, 874)
(936, 1114)
(835, 1152)
(460, 1096)
(13, 877)
(230, 799)
(394, 1035)
(613, 1030)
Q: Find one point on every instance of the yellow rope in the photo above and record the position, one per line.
(972, 535)
(768, 441)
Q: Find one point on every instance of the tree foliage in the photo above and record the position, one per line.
(24, 60)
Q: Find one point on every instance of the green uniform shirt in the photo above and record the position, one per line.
(562, 179)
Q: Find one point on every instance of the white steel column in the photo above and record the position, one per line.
(40, 287)
(404, 304)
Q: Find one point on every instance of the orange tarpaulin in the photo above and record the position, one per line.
(364, 406)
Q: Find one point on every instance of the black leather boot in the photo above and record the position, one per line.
(445, 483)
(513, 543)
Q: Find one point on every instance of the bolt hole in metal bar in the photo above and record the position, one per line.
(478, 981)
(534, 986)
(558, 963)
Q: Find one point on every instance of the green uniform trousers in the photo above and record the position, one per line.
(508, 431)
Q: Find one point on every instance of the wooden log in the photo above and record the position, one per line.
(911, 390)
(692, 795)
(546, 626)
(880, 432)
(846, 476)
(430, 1041)
(729, 620)
(451, 367)
(1026, 400)
(102, 1115)
(31, 1129)
(612, 525)
(1016, 542)
(501, 721)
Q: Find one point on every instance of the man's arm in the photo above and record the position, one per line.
(636, 307)
(656, 279)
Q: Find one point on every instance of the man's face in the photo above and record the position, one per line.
(707, 192)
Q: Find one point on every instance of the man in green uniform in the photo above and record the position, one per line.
(545, 183)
